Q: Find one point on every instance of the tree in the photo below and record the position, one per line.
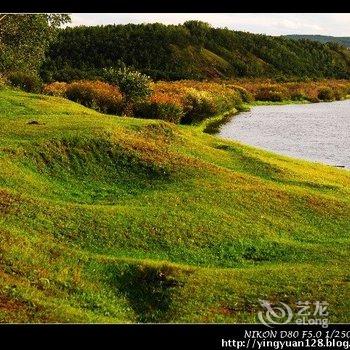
(133, 85)
(24, 39)
(199, 30)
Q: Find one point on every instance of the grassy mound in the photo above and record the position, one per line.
(108, 219)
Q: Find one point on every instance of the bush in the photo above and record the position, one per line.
(274, 93)
(3, 81)
(134, 86)
(298, 95)
(162, 105)
(246, 96)
(55, 89)
(340, 93)
(165, 111)
(25, 81)
(98, 95)
(326, 94)
(201, 104)
(198, 105)
(313, 99)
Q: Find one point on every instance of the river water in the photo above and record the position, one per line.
(317, 132)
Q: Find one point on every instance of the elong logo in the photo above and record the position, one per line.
(283, 313)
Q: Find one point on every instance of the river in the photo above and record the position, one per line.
(317, 131)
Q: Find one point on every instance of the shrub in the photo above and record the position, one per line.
(161, 105)
(55, 89)
(227, 100)
(274, 93)
(326, 94)
(199, 100)
(25, 81)
(201, 104)
(3, 81)
(298, 95)
(198, 105)
(296, 90)
(134, 86)
(246, 96)
(98, 95)
(313, 99)
(165, 111)
(340, 93)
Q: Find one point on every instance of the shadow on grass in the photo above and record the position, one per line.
(149, 290)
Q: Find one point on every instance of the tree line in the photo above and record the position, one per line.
(36, 44)
(193, 50)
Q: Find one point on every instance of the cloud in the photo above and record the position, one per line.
(286, 23)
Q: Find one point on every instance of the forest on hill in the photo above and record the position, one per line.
(193, 50)
(342, 40)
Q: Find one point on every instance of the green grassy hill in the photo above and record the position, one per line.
(110, 219)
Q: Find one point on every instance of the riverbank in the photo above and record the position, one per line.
(212, 125)
(107, 219)
(191, 102)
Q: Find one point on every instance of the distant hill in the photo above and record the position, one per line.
(194, 50)
(323, 39)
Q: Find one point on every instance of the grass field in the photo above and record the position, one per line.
(111, 219)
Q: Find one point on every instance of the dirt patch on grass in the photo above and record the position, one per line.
(11, 305)
(328, 206)
(15, 310)
(9, 203)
